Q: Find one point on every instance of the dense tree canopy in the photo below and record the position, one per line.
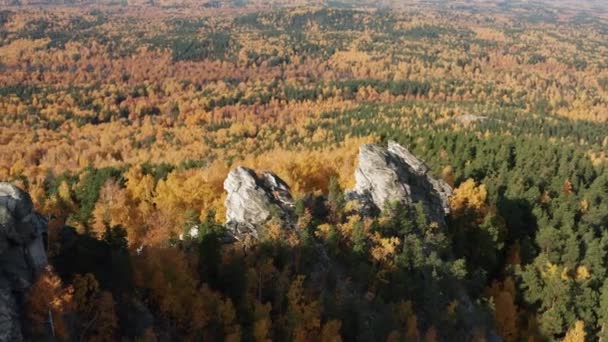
(122, 122)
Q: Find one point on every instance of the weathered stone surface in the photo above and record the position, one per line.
(253, 199)
(17, 201)
(434, 191)
(394, 174)
(10, 327)
(22, 255)
(7, 229)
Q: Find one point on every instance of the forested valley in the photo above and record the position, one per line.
(124, 121)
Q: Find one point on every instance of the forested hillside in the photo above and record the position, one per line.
(122, 122)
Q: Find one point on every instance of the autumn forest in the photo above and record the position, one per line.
(122, 121)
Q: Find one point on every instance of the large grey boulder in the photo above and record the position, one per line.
(254, 199)
(22, 256)
(394, 174)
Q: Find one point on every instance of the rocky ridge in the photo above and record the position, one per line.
(384, 175)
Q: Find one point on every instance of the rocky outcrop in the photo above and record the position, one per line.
(394, 174)
(384, 175)
(254, 199)
(22, 256)
(467, 119)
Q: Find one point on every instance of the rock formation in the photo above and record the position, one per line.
(394, 174)
(253, 199)
(22, 256)
(384, 175)
(467, 119)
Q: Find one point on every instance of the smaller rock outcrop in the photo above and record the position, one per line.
(254, 199)
(22, 256)
(467, 119)
(394, 174)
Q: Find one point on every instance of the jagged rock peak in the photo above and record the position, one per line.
(253, 199)
(394, 174)
(22, 256)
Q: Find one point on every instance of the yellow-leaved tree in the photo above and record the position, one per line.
(95, 310)
(476, 228)
(306, 313)
(263, 322)
(469, 197)
(576, 333)
(505, 309)
(116, 206)
(49, 301)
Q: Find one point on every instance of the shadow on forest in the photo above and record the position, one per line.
(521, 223)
